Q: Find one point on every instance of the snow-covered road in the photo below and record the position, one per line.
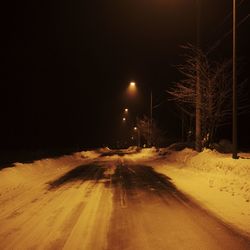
(103, 203)
(64, 210)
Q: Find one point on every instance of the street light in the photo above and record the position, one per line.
(136, 129)
(151, 119)
(234, 134)
(198, 84)
(132, 89)
(126, 110)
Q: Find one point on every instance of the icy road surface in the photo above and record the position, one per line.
(106, 204)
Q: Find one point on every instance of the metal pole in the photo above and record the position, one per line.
(151, 117)
(182, 127)
(234, 85)
(138, 138)
(198, 88)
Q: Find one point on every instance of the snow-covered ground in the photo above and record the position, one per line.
(217, 182)
(35, 217)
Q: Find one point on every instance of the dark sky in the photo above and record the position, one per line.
(66, 64)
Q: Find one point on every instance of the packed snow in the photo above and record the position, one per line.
(29, 208)
(217, 182)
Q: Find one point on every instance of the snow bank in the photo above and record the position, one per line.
(217, 181)
(44, 168)
(30, 173)
(91, 154)
(144, 154)
(87, 154)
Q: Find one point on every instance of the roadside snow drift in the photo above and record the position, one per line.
(218, 182)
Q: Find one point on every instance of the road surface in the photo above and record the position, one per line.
(108, 204)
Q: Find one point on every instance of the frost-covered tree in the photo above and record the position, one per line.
(215, 93)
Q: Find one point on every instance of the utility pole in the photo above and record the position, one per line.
(151, 117)
(139, 137)
(198, 87)
(182, 127)
(234, 135)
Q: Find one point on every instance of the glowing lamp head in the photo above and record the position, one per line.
(132, 89)
(124, 119)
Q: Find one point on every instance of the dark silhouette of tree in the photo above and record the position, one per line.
(157, 137)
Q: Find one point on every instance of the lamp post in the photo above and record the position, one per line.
(151, 119)
(234, 134)
(138, 136)
(198, 87)
(132, 88)
(125, 121)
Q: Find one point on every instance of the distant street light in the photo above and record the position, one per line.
(124, 119)
(136, 129)
(132, 88)
(126, 110)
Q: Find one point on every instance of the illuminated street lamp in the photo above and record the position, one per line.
(126, 110)
(124, 119)
(132, 89)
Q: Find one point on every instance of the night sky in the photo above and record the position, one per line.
(66, 65)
